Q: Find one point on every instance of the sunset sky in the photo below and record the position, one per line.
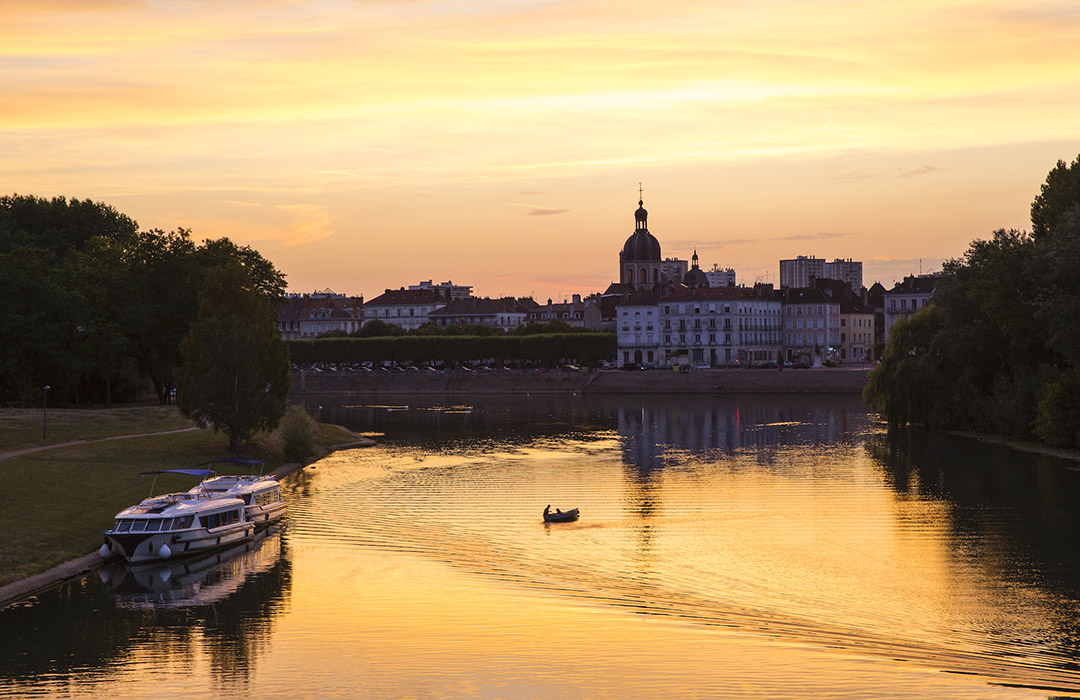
(366, 144)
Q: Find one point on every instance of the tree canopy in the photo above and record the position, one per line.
(235, 375)
(86, 294)
(998, 348)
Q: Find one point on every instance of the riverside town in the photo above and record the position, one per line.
(679, 485)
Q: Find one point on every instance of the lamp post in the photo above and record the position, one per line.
(45, 413)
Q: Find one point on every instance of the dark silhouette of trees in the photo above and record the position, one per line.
(235, 372)
(998, 348)
(88, 295)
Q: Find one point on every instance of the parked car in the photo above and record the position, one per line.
(632, 366)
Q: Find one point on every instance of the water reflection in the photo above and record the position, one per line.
(728, 547)
(222, 607)
(1013, 512)
(650, 425)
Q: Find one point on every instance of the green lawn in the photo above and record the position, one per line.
(60, 500)
(22, 427)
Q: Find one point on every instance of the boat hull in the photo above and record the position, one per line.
(138, 547)
(563, 517)
(265, 516)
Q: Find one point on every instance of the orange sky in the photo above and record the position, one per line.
(365, 145)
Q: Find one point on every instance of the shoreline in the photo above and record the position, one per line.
(1021, 445)
(17, 591)
(822, 380)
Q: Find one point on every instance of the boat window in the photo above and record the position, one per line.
(153, 525)
(166, 524)
(123, 525)
(185, 522)
(138, 526)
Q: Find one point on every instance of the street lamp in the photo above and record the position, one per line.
(45, 413)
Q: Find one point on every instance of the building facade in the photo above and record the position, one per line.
(408, 308)
(847, 271)
(718, 277)
(702, 326)
(311, 315)
(456, 291)
(507, 313)
(801, 272)
(811, 327)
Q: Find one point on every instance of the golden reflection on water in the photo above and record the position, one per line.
(759, 549)
(713, 577)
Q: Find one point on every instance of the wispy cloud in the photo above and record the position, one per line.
(923, 170)
(717, 243)
(537, 210)
(857, 175)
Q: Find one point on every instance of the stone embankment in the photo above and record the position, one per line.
(834, 380)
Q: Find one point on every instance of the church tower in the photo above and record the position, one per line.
(639, 260)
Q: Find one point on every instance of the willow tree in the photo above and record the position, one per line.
(235, 377)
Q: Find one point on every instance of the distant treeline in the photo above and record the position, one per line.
(547, 349)
(998, 348)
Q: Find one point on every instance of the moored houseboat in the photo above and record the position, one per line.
(261, 494)
(177, 524)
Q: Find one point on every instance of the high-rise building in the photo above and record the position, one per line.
(720, 277)
(803, 270)
(847, 271)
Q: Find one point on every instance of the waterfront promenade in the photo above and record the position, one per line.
(824, 380)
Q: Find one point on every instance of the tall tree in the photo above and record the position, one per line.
(1059, 194)
(998, 349)
(235, 377)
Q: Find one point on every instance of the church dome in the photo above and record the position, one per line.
(694, 277)
(642, 246)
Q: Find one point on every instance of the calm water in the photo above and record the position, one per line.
(728, 547)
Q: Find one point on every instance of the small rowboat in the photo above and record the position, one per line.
(560, 516)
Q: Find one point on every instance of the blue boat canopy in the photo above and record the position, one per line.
(203, 473)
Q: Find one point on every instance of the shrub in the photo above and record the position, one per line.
(298, 432)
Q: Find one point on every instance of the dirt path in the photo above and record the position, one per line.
(30, 450)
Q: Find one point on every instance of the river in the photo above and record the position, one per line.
(728, 547)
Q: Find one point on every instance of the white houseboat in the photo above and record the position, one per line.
(177, 524)
(261, 494)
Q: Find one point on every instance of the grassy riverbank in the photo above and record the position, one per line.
(22, 427)
(60, 499)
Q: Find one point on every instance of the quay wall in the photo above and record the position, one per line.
(833, 380)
